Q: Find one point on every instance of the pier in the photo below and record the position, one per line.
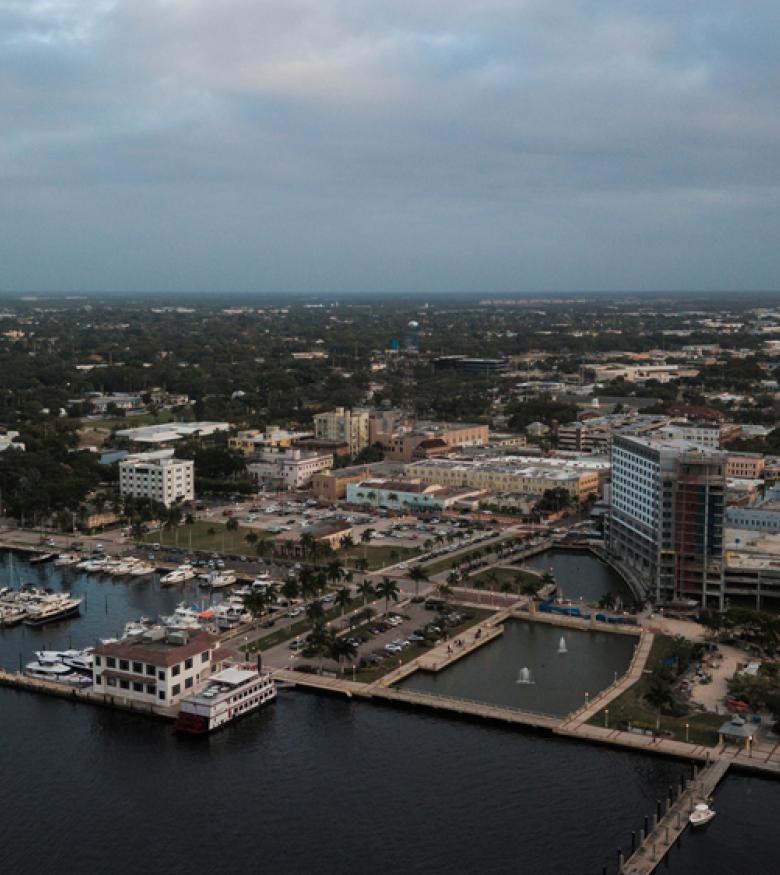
(668, 828)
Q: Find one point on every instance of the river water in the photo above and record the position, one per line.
(321, 785)
(578, 574)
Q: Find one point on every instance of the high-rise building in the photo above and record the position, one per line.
(342, 425)
(165, 479)
(666, 517)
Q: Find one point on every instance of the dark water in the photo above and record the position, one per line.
(578, 574)
(490, 674)
(320, 785)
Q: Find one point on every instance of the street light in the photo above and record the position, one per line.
(606, 718)
(687, 727)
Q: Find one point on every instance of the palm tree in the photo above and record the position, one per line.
(315, 611)
(347, 542)
(307, 543)
(444, 590)
(418, 574)
(290, 589)
(340, 649)
(452, 578)
(365, 540)
(335, 570)
(361, 563)
(319, 639)
(343, 599)
(256, 603)
(366, 589)
(387, 589)
(251, 538)
(263, 548)
(189, 522)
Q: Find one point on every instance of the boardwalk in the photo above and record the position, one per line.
(661, 838)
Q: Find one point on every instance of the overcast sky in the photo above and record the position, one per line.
(350, 145)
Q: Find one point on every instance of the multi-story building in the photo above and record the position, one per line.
(254, 441)
(764, 516)
(401, 446)
(332, 485)
(745, 466)
(342, 425)
(407, 494)
(162, 479)
(666, 517)
(155, 670)
(513, 474)
(287, 469)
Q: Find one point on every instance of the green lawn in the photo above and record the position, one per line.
(630, 706)
(206, 535)
(516, 578)
(450, 561)
(120, 422)
(379, 556)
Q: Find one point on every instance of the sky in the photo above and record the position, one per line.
(389, 145)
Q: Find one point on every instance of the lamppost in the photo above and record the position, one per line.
(687, 727)
(750, 747)
(606, 718)
(587, 698)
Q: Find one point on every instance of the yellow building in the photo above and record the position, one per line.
(347, 426)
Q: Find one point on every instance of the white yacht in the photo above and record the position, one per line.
(51, 608)
(231, 613)
(78, 660)
(218, 579)
(142, 569)
(183, 617)
(701, 814)
(229, 694)
(179, 575)
(66, 559)
(135, 628)
(93, 566)
(55, 670)
(12, 614)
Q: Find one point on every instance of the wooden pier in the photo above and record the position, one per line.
(665, 832)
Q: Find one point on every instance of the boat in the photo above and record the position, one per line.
(66, 559)
(183, 617)
(57, 671)
(142, 569)
(701, 814)
(93, 566)
(12, 615)
(218, 579)
(228, 695)
(231, 613)
(134, 629)
(78, 660)
(52, 608)
(179, 575)
(41, 557)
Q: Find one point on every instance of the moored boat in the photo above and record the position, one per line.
(701, 814)
(229, 694)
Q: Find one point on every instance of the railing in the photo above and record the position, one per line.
(431, 698)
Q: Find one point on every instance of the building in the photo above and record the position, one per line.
(332, 485)
(155, 670)
(170, 432)
(667, 515)
(752, 575)
(700, 434)
(120, 401)
(405, 495)
(8, 441)
(763, 516)
(471, 365)
(745, 466)
(508, 439)
(530, 476)
(165, 479)
(401, 446)
(345, 426)
(254, 441)
(287, 469)
(327, 534)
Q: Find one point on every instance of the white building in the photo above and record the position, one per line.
(171, 432)
(290, 469)
(155, 670)
(166, 480)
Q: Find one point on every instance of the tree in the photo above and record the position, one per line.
(530, 586)
(335, 570)
(290, 589)
(232, 524)
(315, 611)
(189, 522)
(366, 589)
(319, 639)
(607, 601)
(256, 602)
(365, 540)
(347, 542)
(339, 649)
(343, 599)
(251, 538)
(387, 589)
(418, 574)
(307, 543)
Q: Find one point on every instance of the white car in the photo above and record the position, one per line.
(393, 648)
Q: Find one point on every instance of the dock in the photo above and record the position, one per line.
(667, 829)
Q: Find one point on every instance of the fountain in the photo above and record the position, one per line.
(525, 676)
(562, 648)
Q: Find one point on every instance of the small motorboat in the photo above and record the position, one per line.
(701, 814)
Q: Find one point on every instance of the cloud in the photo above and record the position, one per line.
(469, 143)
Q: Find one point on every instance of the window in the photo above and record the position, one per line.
(97, 680)
(138, 688)
(138, 667)
(150, 670)
(175, 690)
(111, 682)
(188, 683)
(161, 695)
(161, 674)
(204, 657)
(188, 663)
(111, 662)
(176, 670)
(124, 664)
(125, 685)
(150, 689)
(98, 660)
